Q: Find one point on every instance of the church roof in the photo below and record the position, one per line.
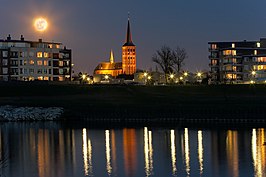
(109, 66)
(129, 41)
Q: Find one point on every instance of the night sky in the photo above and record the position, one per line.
(91, 28)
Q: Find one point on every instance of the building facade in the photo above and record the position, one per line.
(238, 62)
(128, 64)
(34, 60)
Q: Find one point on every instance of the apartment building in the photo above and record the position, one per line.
(238, 62)
(34, 60)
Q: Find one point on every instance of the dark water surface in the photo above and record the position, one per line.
(55, 150)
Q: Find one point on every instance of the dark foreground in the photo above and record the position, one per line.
(144, 104)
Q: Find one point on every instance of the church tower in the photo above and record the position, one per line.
(128, 53)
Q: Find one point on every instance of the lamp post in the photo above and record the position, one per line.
(145, 74)
(185, 77)
(253, 74)
(199, 75)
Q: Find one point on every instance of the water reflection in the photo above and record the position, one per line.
(148, 152)
(187, 158)
(258, 152)
(173, 152)
(52, 150)
(200, 151)
(232, 153)
(130, 151)
(87, 154)
(107, 152)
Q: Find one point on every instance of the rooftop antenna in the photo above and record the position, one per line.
(128, 15)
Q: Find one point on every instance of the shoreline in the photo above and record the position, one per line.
(244, 104)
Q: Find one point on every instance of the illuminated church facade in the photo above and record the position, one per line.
(128, 64)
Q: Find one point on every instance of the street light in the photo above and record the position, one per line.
(199, 74)
(84, 76)
(106, 77)
(172, 76)
(185, 74)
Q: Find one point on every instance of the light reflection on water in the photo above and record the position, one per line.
(200, 151)
(50, 150)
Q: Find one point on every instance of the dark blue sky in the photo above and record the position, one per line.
(92, 27)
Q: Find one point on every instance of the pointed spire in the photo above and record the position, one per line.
(112, 57)
(128, 37)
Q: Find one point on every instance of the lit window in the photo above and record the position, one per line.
(61, 63)
(255, 52)
(46, 78)
(31, 78)
(39, 62)
(31, 62)
(50, 46)
(25, 62)
(61, 78)
(261, 67)
(40, 78)
(233, 45)
(57, 46)
(45, 63)
(46, 55)
(39, 54)
(258, 44)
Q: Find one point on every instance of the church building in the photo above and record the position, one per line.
(128, 64)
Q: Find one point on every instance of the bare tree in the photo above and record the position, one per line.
(164, 58)
(179, 55)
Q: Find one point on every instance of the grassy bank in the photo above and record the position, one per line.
(102, 103)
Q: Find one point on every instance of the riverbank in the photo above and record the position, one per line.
(143, 104)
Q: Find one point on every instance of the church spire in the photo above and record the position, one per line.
(112, 57)
(128, 37)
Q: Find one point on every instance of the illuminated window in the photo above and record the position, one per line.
(258, 44)
(31, 62)
(231, 76)
(46, 55)
(31, 78)
(229, 52)
(261, 59)
(25, 62)
(40, 78)
(39, 54)
(255, 52)
(261, 67)
(46, 78)
(50, 46)
(57, 46)
(233, 45)
(61, 63)
(234, 68)
(39, 62)
(45, 63)
(61, 78)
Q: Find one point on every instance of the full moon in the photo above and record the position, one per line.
(40, 24)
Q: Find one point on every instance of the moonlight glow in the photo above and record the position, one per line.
(40, 24)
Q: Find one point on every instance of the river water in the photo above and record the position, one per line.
(56, 150)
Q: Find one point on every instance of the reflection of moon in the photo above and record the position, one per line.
(40, 24)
